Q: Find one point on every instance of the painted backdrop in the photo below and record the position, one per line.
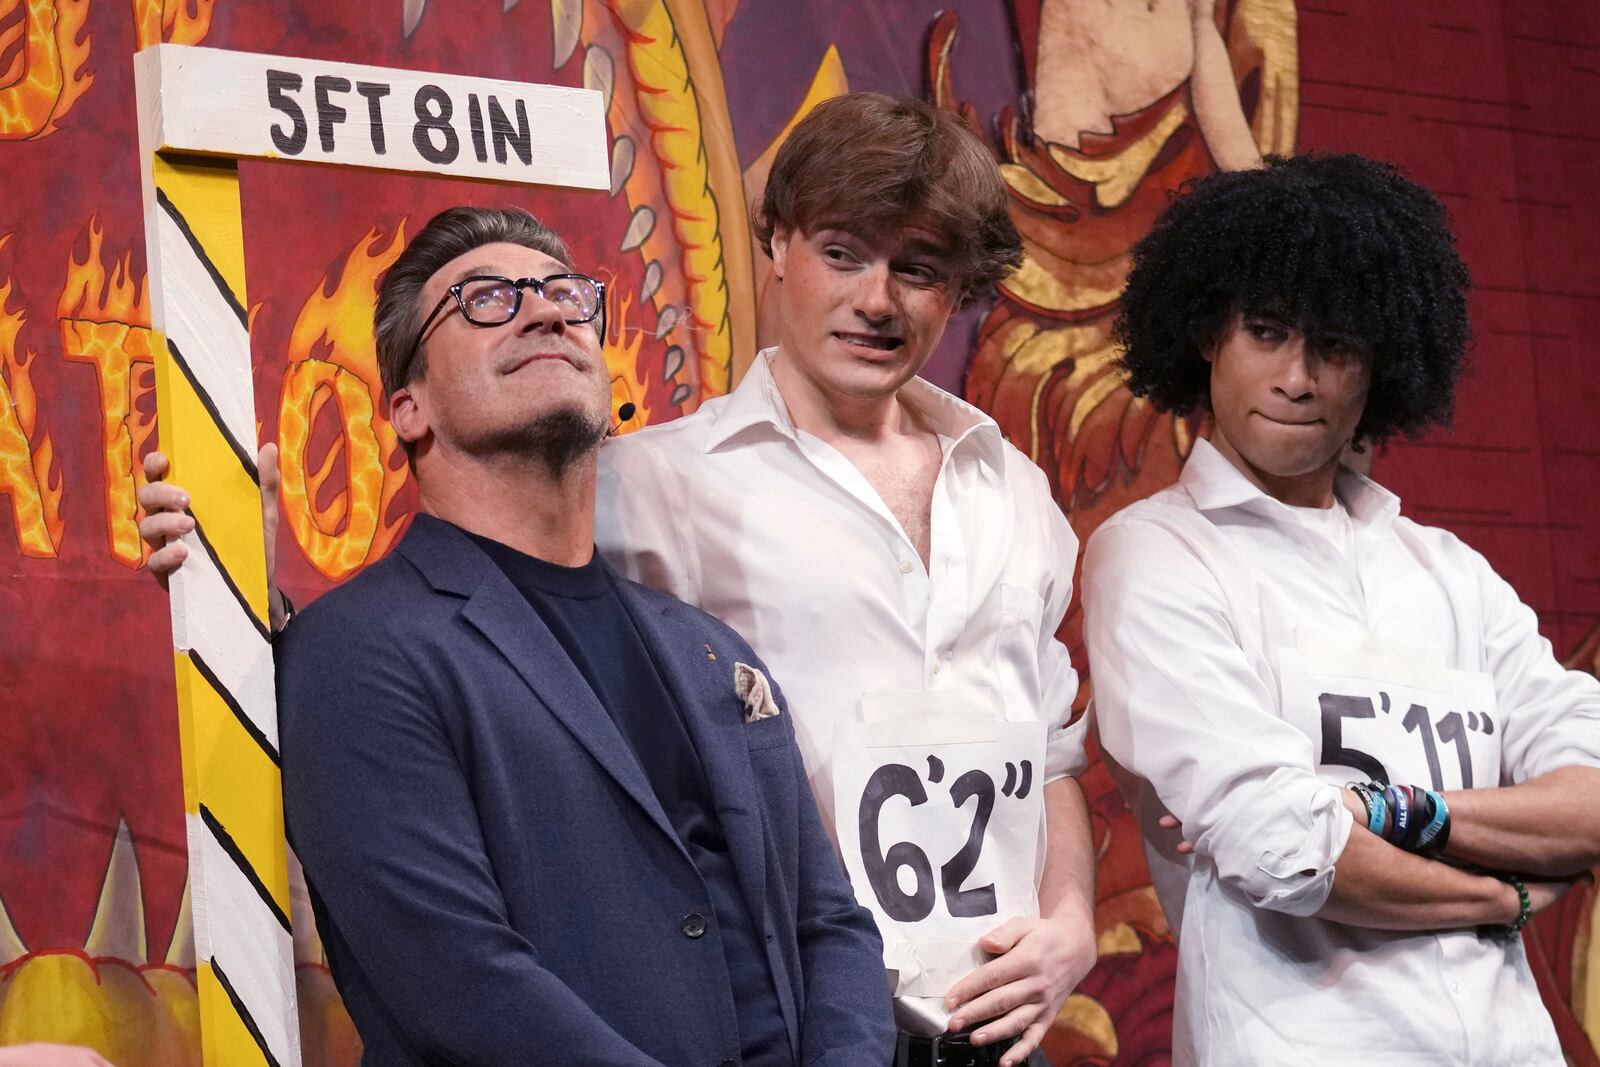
(1096, 112)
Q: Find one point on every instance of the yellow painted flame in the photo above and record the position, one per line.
(332, 357)
(171, 21)
(622, 345)
(48, 74)
(28, 472)
(100, 295)
(104, 316)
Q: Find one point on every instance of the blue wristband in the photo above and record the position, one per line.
(1402, 814)
(1435, 828)
(1380, 812)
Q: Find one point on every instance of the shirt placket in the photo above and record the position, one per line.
(1341, 567)
(1457, 959)
(899, 556)
(949, 584)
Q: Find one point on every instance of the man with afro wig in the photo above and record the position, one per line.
(1378, 767)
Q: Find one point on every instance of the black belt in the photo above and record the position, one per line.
(947, 1050)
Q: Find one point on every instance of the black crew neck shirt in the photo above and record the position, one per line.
(587, 617)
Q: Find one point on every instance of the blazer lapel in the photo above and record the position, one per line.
(713, 716)
(454, 564)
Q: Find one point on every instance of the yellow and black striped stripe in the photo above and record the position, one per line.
(227, 714)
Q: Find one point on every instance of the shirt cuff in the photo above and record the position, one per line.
(1279, 844)
(1065, 752)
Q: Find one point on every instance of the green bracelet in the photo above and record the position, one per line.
(1527, 905)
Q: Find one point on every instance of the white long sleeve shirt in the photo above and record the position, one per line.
(1203, 606)
(774, 532)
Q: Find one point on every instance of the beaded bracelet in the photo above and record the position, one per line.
(1526, 911)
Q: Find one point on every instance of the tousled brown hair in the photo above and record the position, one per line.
(870, 164)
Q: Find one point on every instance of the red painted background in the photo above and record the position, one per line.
(1494, 104)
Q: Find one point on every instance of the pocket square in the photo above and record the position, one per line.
(755, 691)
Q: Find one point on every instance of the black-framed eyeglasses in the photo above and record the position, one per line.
(490, 300)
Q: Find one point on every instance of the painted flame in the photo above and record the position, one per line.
(172, 21)
(18, 366)
(332, 357)
(622, 345)
(48, 74)
(104, 316)
(92, 292)
(28, 470)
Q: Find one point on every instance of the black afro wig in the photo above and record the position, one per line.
(1337, 246)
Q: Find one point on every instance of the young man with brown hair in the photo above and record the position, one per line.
(880, 543)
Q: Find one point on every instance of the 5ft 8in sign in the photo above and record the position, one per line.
(255, 106)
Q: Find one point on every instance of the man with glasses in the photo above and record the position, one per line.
(546, 815)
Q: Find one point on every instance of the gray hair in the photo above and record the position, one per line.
(453, 232)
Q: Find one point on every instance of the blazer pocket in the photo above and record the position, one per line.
(766, 733)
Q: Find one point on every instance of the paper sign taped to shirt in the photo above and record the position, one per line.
(1376, 715)
(940, 813)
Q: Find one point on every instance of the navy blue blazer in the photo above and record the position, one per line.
(493, 878)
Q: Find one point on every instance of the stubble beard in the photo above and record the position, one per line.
(556, 440)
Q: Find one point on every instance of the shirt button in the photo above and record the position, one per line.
(728, 1063)
(694, 925)
(905, 566)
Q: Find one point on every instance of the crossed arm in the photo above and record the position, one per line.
(1543, 825)
(1242, 782)
(1382, 887)
(1534, 830)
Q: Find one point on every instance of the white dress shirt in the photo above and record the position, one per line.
(1198, 602)
(772, 531)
